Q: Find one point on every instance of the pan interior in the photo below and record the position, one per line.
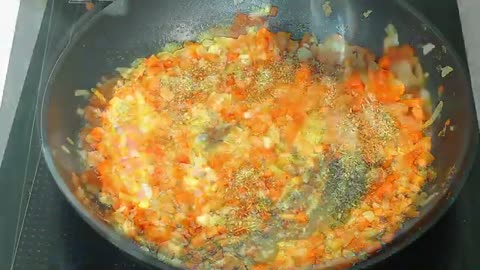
(127, 30)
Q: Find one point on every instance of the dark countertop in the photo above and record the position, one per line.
(40, 230)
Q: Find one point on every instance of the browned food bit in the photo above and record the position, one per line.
(273, 11)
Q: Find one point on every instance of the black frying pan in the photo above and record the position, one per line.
(125, 30)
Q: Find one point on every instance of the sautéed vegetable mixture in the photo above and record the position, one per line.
(260, 151)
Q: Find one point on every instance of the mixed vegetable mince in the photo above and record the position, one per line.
(260, 152)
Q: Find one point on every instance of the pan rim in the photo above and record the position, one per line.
(402, 238)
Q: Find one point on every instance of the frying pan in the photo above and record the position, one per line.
(125, 30)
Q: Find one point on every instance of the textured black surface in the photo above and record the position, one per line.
(54, 237)
(50, 235)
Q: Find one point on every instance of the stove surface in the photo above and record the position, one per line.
(42, 231)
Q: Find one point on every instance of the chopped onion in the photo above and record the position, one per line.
(445, 71)
(172, 47)
(245, 59)
(80, 111)
(207, 43)
(336, 43)
(426, 201)
(65, 149)
(425, 95)
(427, 48)
(369, 215)
(348, 253)
(391, 40)
(137, 62)
(82, 154)
(252, 29)
(435, 115)
(262, 11)
(124, 72)
(367, 13)
(304, 54)
(214, 49)
(99, 96)
(410, 74)
(267, 142)
(70, 141)
(82, 93)
(147, 190)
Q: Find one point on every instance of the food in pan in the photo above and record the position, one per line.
(259, 151)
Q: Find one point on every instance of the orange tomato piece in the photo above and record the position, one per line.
(303, 74)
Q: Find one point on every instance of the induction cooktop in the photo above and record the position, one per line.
(40, 230)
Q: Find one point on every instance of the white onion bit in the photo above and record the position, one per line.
(427, 48)
(445, 71)
(82, 93)
(367, 13)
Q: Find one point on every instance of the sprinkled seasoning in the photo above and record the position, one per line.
(346, 184)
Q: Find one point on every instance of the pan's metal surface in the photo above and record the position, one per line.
(114, 38)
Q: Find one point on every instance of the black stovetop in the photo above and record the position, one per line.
(42, 231)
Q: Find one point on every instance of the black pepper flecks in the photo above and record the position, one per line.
(346, 184)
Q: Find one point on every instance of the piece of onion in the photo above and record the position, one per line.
(445, 71)
(427, 48)
(82, 93)
(410, 74)
(435, 115)
(65, 149)
(391, 40)
(70, 141)
(367, 13)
